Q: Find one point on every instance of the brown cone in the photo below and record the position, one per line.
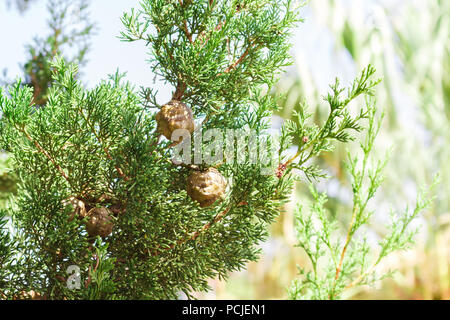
(206, 187)
(100, 222)
(172, 116)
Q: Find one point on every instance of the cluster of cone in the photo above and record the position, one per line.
(204, 186)
(100, 220)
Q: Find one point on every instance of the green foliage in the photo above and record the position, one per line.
(215, 53)
(338, 264)
(47, 143)
(100, 283)
(317, 139)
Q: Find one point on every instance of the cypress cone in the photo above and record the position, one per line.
(100, 222)
(172, 116)
(206, 187)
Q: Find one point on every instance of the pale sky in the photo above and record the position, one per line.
(107, 52)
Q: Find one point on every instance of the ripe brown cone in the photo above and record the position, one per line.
(206, 187)
(172, 116)
(100, 222)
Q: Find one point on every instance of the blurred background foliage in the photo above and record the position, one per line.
(408, 42)
(21, 5)
(69, 31)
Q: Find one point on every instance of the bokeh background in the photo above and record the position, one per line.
(407, 41)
